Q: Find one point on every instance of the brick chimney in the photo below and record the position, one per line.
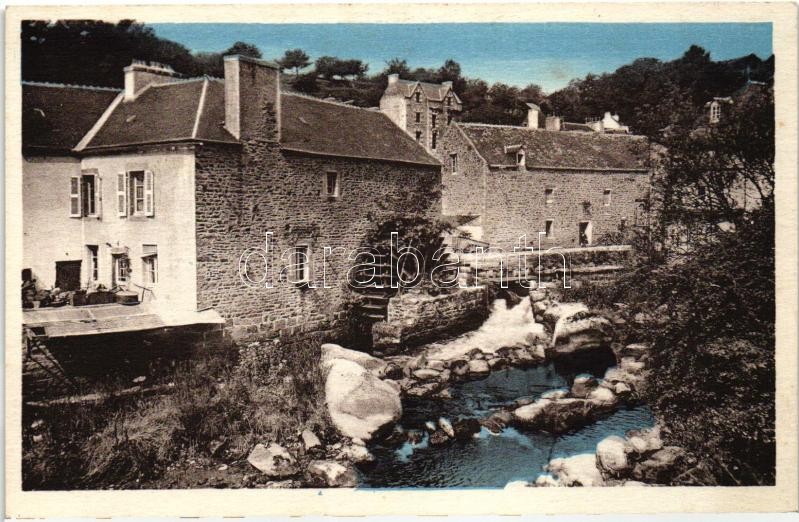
(393, 78)
(140, 74)
(251, 85)
(553, 123)
(533, 111)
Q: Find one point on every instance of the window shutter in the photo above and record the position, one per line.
(149, 208)
(98, 195)
(122, 194)
(74, 196)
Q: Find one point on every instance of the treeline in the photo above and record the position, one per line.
(648, 94)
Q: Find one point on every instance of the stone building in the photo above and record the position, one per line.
(165, 187)
(574, 186)
(423, 110)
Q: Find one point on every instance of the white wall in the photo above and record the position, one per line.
(51, 235)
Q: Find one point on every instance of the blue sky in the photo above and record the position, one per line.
(549, 54)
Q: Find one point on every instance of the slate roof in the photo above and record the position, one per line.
(321, 127)
(55, 117)
(167, 113)
(558, 149)
(432, 91)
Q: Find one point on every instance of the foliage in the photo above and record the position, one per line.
(294, 59)
(330, 67)
(243, 49)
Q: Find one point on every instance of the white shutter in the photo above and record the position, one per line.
(74, 196)
(149, 207)
(122, 194)
(98, 196)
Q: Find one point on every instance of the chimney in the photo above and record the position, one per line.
(533, 111)
(140, 74)
(393, 78)
(251, 85)
(553, 123)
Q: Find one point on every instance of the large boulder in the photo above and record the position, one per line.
(560, 310)
(479, 367)
(611, 457)
(579, 470)
(359, 403)
(579, 332)
(583, 385)
(464, 429)
(273, 460)
(562, 415)
(332, 474)
(331, 351)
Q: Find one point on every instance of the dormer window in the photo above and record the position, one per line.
(418, 97)
(449, 100)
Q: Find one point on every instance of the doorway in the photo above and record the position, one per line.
(67, 275)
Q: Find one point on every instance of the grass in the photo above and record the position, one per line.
(259, 393)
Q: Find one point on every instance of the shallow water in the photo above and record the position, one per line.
(491, 461)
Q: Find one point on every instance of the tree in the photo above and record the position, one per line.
(243, 49)
(397, 66)
(450, 71)
(294, 59)
(330, 67)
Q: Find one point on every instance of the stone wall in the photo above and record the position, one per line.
(415, 318)
(512, 202)
(244, 193)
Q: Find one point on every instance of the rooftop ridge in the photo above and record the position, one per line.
(521, 127)
(180, 81)
(70, 86)
(331, 102)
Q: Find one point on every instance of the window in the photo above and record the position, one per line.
(433, 142)
(584, 233)
(453, 163)
(418, 96)
(606, 197)
(623, 224)
(332, 189)
(449, 100)
(548, 199)
(418, 136)
(418, 117)
(135, 193)
(94, 268)
(449, 119)
(548, 228)
(715, 112)
(84, 195)
(301, 264)
(521, 160)
(150, 264)
(433, 120)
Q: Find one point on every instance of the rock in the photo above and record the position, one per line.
(435, 364)
(558, 310)
(332, 351)
(359, 403)
(475, 353)
(445, 376)
(523, 401)
(583, 385)
(459, 368)
(223, 467)
(603, 397)
(273, 460)
(562, 415)
(310, 440)
(554, 394)
(465, 428)
(629, 364)
(579, 332)
(423, 390)
(635, 350)
(537, 295)
(540, 352)
(497, 363)
(416, 436)
(478, 367)
(506, 352)
(622, 389)
(438, 437)
(492, 425)
(661, 466)
(530, 415)
(357, 454)
(430, 426)
(546, 480)
(539, 308)
(611, 457)
(392, 371)
(140, 379)
(645, 441)
(332, 474)
(446, 427)
(579, 470)
(426, 374)
(417, 362)
(516, 485)
(216, 447)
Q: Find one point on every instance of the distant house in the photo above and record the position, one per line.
(423, 110)
(572, 186)
(160, 188)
